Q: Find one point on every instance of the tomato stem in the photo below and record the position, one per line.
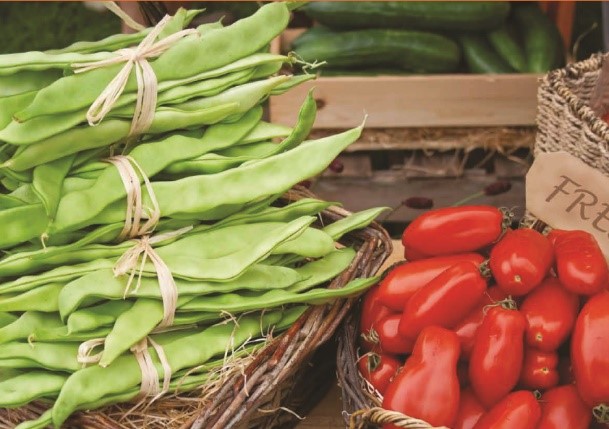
(485, 269)
(601, 413)
(507, 303)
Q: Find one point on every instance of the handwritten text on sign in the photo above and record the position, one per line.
(566, 193)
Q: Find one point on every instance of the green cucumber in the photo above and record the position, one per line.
(506, 45)
(542, 41)
(415, 15)
(409, 50)
(315, 32)
(480, 56)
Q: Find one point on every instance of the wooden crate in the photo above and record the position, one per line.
(440, 136)
(447, 100)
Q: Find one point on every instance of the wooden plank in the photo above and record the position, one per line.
(361, 194)
(415, 101)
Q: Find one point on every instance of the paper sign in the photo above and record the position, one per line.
(566, 193)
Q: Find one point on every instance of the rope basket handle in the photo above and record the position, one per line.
(379, 416)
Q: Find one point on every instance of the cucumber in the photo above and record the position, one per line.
(409, 50)
(315, 32)
(480, 56)
(543, 44)
(506, 45)
(414, 15)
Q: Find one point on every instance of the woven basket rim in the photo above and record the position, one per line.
(279, 359)
(557, 81)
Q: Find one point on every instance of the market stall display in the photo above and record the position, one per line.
(154, 240)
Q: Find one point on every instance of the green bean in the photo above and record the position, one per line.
(313, 243)
(89, 319)
(24, 388)
(289, 84)
(211, 163)
(26, 82)
(48, 180)
(266, 131)
(43, 298)
(256, 277)
(41, 422)
(110, 43)
(234, 249)
(111, 131)
(191, 55)
(323, 270)
(352, 222)
(53, 356)
(130, 327)
(12, 103)
(27, 324)
(247, 300)
(59, 274)
(6, 319)
(9, 202)
(62, 334)
(123, 374)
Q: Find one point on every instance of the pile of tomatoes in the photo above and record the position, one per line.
(487, 327)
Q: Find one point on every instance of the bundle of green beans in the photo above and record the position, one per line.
(244, 261)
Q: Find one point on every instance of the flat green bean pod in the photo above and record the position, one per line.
(91, 318)
(53, 356)
(24, 388)
(43, 298)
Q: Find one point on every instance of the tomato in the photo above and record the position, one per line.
(565, 371)
(451, 230)
(444, 301)
(497, 355)
(590, 351)
(518, 410)
(521, 260)
(580, 264)
(550, 311)
(379, 370)
(389, 339)
(470, 410)
(404, 280)
(427, 387)
(539, 370)
(466, 329)
(561, 408)
(371, 311)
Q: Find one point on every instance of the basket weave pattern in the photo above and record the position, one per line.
(564, 119)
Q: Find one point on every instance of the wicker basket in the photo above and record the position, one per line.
(285, 378)
(565, 120)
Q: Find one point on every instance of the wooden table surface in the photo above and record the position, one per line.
(327, 413)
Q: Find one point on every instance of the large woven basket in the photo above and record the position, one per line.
(565, 119)
(283, 381)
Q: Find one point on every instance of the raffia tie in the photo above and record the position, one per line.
(128, 169)
(130, 263)
(149, 385)
(147, 84)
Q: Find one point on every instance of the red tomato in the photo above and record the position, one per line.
(565, 371)
(404, 280)
(427, 387)
(444, 301)
(521, 260)
(379, 370)
(451, 230)
(470, 411)
(466, 329)
(580, 264)
(590, 351)
(371, 311)
(497, 355)
(389, 339)
(539, 370)
(518, 410)
(562, 408)
(550, 311)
